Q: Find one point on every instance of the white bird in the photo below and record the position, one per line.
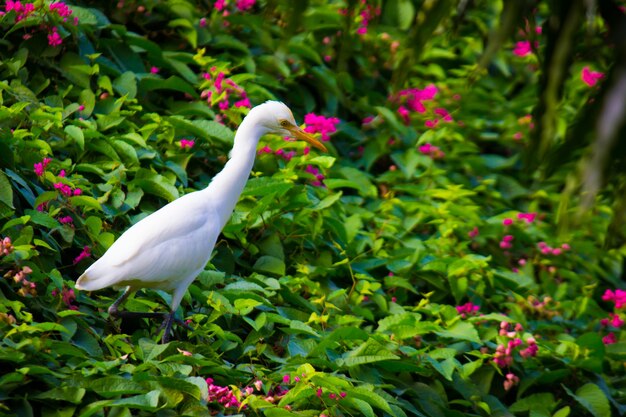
(169, 248)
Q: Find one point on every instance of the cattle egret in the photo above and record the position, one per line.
(169, 248)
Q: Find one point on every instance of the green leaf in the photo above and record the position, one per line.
(126, 84)
(461, 330)
(70, 394)
(271, 265)
(77, 136)
(591, 397)
(6, 191)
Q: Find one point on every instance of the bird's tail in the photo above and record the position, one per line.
(87, 283)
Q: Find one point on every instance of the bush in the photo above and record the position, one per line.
(420, 268)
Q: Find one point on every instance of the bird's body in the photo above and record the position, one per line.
(169, 248)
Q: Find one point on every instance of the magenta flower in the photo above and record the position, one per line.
(221, 395)
(40, 167)
(590, 77)
(286, 379)
(244, 102)
(431, 150)
(405, 114)
(243, 5)
(219, 5)
(202, 22)
(154, 70)
(473, 233)
(528, 217)
(54, 39)
(468, 309)
(319, 177)
(507, 222)
(320, 124)
(86, 253)
(618, 297)
(186, 143)
(522, 48)
(65, 220)
(61, 9)
(609, 339)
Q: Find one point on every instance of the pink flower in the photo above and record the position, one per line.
(243, 5)
(186, 143)
(219, 5)
(467, 309)
(86, 252)
(405, 114)
(40, 167)
(529, 217)
(433, 151)
(590, 77)
(54, 39)
(202, 22)
(61, 9)
(320, 124)
(445, 116)
(473, 233)
(618, 297)
(507, 222)
(81, 107)
(522, 48)
(609, 339)
(244, 102)
(510, 381)
(361, 30)
(65, 220)
(316, 173)
(154, 70)
(286, 379)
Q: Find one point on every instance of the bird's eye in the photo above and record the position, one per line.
(284, 123)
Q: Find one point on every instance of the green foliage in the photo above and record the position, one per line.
(418, 269)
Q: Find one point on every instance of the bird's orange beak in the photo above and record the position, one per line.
(298, 133)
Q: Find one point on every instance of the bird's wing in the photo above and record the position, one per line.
(178, 219)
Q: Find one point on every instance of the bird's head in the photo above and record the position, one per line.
(278, 119)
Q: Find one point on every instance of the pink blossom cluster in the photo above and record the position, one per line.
(65, 220)
(61, 9)
(473, 233)
(241, 5)
(589, 77)
(507, 242)
(613, 320)
(548, 250)
(503, 356)
(319, 177)
(331, 395)
(6, 246)
(223, 92)
(510, 381)
(66, 190)
(222, 395)
(527, 217)
(186, 143)
(68, 296)
(431, 150)
(412, 100)
(365, 16)
(523, 48)
(21, 10)
(609, 339)
(468, 309)
(54, 39)
(320, 124)
(85, 253)
(618, 297)
(20, 276)
(40, 167)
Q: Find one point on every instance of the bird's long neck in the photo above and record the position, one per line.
(226, 187)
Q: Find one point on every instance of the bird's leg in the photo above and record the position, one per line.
(114, 309)
(167, 325)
